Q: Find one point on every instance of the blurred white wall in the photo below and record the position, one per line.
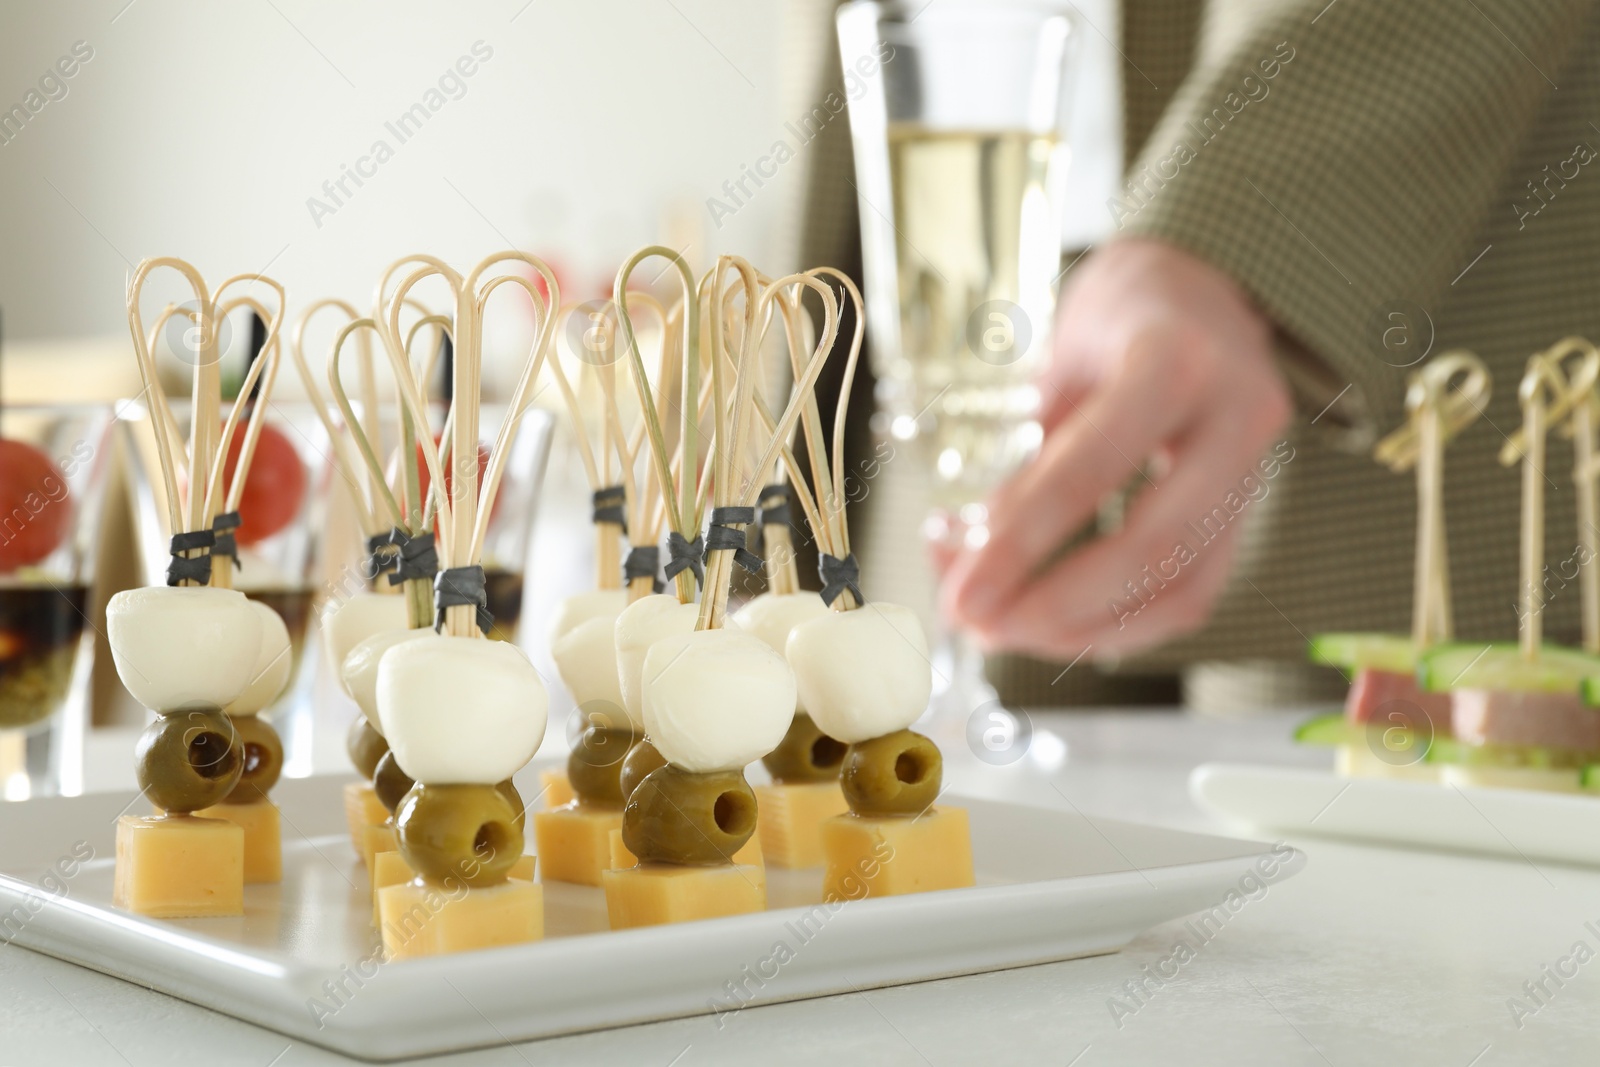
(202, 129)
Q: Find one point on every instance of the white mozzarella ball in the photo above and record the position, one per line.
(183, 646)
(862, 673)
(346, 623)
(579, 609)
(771, 616)
(460, 710)
(270, 675)
(716, 700)
(642, 624)
(358, 674)
(586, 656)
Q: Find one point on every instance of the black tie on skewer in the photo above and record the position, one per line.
(224, 545)
(417, 557)
(608, 504)
(723, 537)
(774, 501)
(380, 558)
(839, 575)
(457, 587)
(643, 561)
(686, 555)
(183, 568)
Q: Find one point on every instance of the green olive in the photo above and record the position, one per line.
(642, 760)
(896, 774)
(459, 833)
(677, 816)
(390, 782)
(188, 760)
(508, 790)
(805, 754)
(263, 760)
(594, 766)
(366, 746)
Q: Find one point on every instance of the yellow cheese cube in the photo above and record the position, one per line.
(556, 789)
(391, 868)
(419, 919)
(573, 842)
(179, 866)
(789, 820)
(376, 839)
(362, 808)
(656, 893)
(621, 857)
(263, 843)
(881, 857)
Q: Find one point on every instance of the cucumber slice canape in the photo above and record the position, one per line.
(1353, 651)
(1591, 690)
(1330, 729)
(1500, 665)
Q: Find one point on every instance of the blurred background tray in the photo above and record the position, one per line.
(1518, 823)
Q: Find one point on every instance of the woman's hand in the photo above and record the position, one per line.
(1161, 365)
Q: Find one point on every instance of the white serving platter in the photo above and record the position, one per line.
(1517, 823)
(1052, 885)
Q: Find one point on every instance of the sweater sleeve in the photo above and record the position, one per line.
(1339, 161)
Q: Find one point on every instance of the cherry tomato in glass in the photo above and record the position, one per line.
(274, 488)
(35, 506)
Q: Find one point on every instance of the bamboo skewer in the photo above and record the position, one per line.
(193, 500)
(1549, 397)
(349, 468)
(265, 371)
(463, 507)
(678, 492)
(1580, 427)
(1443, 398)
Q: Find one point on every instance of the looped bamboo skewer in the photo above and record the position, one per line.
(678, 492)
(1443, 398)
(193, 508)
(464, 509)
(350, 470)
(649, 506)
(745, 492)
(264, 370)
(608, 535)
(1543, 390)
(1580, 428)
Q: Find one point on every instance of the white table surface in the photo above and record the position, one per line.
(1371, 955)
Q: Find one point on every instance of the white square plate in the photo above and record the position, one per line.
(1052, 885)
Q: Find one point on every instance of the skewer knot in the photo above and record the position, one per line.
(416, 559)
(183, 568)
(223, 526)
(839, 575)
(774, 505)
(459, 586)
(643, 561)
(608, 505)
(724, 537)
(686, 555)
(382, 555)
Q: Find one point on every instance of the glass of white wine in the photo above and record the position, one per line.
(960, 171)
